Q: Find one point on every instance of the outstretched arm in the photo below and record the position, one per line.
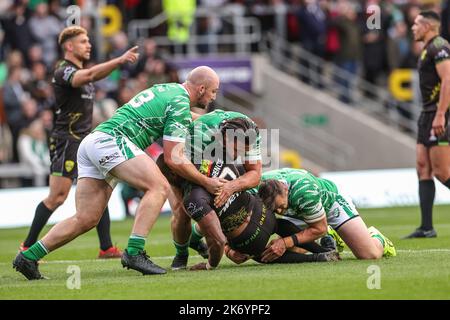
(102, 70)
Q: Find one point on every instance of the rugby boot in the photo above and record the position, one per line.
(141, 263)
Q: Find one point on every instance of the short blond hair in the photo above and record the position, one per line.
(69, 33)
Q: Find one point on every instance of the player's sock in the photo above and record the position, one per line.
(182, 249)
(427, 191)
(136, 244)
(36, 252)
(104, 231)
(313, 247)
(196, 236)
(379, 238)
(293, 257)
(40, 219)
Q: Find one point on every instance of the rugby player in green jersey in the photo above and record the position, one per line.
(300, 196)
(114, 151)
(213, 135)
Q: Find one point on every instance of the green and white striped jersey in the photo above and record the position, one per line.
(309, 197)
(162, 110)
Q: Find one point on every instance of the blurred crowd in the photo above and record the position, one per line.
(335, 30)
(28, 54)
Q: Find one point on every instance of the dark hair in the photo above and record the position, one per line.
(430, 15)
(244, 124)
(268, 191)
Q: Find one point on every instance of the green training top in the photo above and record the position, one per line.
(162, 110)
(309, 197)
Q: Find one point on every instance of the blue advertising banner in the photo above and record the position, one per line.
(231, 70)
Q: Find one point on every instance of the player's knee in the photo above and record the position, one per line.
(369, 255)
(218, 242)
(56, 200)
(86, 223)
(423, 169)
(164, 188)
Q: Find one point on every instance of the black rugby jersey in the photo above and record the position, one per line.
(72, 113)
(435, 51)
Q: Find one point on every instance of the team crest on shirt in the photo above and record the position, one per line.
(69, 165)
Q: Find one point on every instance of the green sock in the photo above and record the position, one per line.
(36, 252)
(182, 249)
(136, 244)
(380, 238)
(196, 236)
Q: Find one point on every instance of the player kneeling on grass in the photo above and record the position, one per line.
(300, 196)
(241, 227)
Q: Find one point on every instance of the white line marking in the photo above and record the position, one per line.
(197, 256)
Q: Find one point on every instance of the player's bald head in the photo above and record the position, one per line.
(202, 75)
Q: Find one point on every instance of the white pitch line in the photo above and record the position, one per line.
(197, 256)
(96, 260)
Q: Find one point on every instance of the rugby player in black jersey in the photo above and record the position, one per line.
(432, 149)
(74, 96)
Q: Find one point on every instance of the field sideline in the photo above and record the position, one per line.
(420, 271)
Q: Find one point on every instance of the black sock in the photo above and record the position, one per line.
(104, 231)
(447, 183)
(293, 257)
(427, 191)
(286, 228)
(313, 247)
(40, 219)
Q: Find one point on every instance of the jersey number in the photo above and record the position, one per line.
(142, 98)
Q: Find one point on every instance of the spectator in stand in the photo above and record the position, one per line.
(45, 28)
(18, 35)
(39, 86)
(374, 48)
(313, 30)
(33, 149)
(20, 109)
(34, 55)
(349, 52)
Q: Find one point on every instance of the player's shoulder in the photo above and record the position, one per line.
(439, 47)
(439, 43)
(170, 91)
(64, 70)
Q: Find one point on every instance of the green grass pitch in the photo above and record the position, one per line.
(420, 271)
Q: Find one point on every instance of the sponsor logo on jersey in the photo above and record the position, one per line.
(69, 165)
(442, 54)
(230, 200)
(109, 158)
(192, 209)
(217, 168)
(68, 73)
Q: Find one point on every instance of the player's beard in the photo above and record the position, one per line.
(199, 104)
(81, 58)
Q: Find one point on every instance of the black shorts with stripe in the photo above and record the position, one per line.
(63, 157)
(425, 124)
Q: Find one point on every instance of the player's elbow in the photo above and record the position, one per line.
(320, 230)
(170, 161)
